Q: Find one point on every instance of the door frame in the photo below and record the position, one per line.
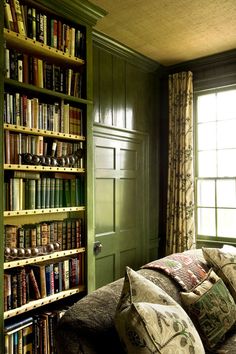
(142, 139)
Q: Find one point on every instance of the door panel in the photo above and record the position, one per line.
(119, 195)
(107, 276)
(104, 206)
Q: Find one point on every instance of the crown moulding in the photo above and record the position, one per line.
(102, 41)
(76, 10)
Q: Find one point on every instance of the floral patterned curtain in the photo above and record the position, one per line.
(180, 234)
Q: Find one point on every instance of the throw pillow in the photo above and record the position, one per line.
(212, 309)
(224, 264)
(148, 320)
(187, 270)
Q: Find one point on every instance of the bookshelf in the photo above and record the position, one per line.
(47, 164)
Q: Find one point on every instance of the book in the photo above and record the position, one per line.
(27, 334)
(26, 174)
(66, 274)
(13, 12)
(40, 275)
(10, 232)
(49, 279)
(18, 325)
(56, 277)
(9, 24)
(7, 292)
(19, 17)
(34, 285)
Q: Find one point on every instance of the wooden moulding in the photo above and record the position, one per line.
(44, 301)
(42, 211)
(45, 257)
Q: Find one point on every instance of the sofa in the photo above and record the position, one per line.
(90, 326)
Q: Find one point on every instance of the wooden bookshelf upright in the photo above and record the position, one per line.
(46, 179)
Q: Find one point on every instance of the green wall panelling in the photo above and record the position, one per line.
(119, 92)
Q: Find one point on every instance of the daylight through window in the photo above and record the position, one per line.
(215, 163)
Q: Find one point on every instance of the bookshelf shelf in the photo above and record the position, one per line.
(46, 133)
(44, 91)
(42, 211)
(18, 41)
(38, 259)
(43, 168)
(44, 301)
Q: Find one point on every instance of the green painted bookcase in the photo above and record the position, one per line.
(84, 15)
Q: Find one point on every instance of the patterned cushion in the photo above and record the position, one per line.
(185, 269)
(224, 264)
(149, 321)
(212, 309)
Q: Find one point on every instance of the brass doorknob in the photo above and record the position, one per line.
(97, 248)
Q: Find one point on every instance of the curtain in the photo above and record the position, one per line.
(180, 228)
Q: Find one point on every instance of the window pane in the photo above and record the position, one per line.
(206, 222)
(226, 193)
(206, 193)
(206, 108)
(207, 164)
(226, 131)
(226, 108)
(206, 136)
(226, 222)
(226, 165)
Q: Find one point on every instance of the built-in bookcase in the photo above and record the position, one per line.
(47, 159)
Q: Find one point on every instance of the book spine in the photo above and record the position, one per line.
(7, 292)
(34, 284)
(19, 17)
(66, 274)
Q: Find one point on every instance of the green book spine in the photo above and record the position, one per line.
(32, 194)
(73, 192)
(52, 192)
(38, 193)
(61, 202)
(57, 193)
(78, 197)
(43, 193)
(16, 194)
(47, 199)
(67, 201)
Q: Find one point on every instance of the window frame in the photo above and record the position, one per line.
(206, 238)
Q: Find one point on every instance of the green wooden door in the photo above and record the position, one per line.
(120, 202)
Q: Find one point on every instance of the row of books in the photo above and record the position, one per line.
(32, 23)
(43, 193)
(39, 72)
(69, 233)
(29, 283)
(33, 113)
(18, 144)
(34, 334)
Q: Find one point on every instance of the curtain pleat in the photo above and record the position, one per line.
(180, 229)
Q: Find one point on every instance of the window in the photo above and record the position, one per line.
(215, 164)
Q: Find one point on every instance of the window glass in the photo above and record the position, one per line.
(215, 163)
(206, 222)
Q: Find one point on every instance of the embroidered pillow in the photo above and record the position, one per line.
(212, 309)
(185, 269)
(224, 264)
(149, 321)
